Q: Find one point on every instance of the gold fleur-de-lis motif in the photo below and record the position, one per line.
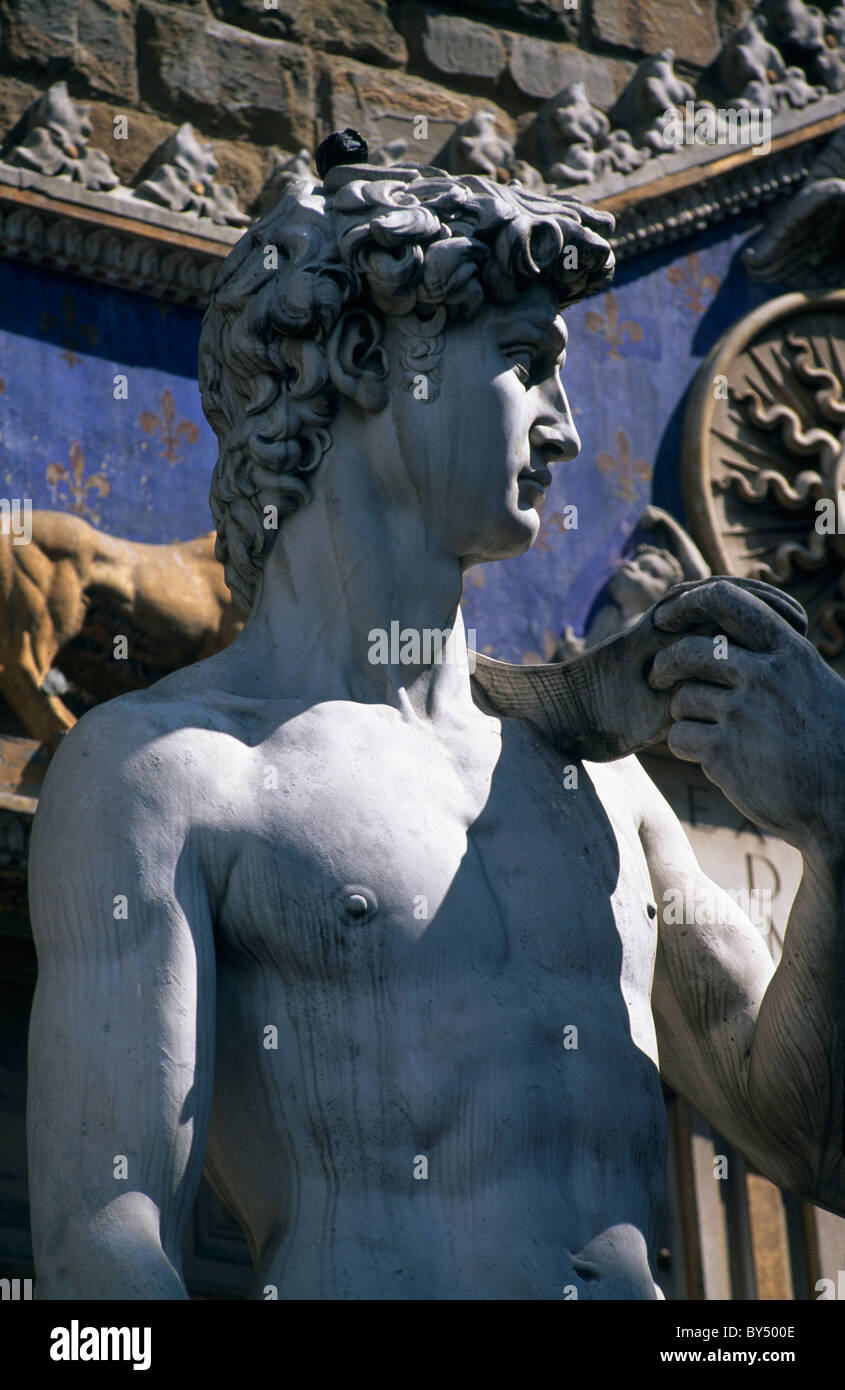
(73, 478)
(627, 472)
(610, 327)
(549, 652)
(72, 335)
(171, 433)
(555, 522)
(688, 277)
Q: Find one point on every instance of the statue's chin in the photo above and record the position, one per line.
(528, 531)
(515, 534)
(505, 550)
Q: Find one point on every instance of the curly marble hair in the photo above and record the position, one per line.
(421, 245)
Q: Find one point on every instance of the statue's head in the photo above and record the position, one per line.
(644, 577)
(371, 294)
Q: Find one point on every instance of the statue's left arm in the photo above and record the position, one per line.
(760, 1051)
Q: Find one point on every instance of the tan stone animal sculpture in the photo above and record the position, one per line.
(67, 594)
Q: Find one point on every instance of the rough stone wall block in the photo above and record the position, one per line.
(228, 81)
(91, 39)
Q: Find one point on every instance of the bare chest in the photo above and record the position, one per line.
(368, 855)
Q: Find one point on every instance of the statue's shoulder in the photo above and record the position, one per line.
(625, 789)
(146, 745)
(624, 786)
(121, 811)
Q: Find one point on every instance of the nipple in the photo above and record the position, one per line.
(358, 903)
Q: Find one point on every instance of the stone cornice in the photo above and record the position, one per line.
(694, 193)
(118, 239)
(103, 236)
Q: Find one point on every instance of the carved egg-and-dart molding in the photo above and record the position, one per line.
(764, 444)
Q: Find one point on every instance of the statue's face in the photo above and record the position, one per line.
(642, 580)
(478, 453)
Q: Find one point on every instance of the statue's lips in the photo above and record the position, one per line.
(540, 478)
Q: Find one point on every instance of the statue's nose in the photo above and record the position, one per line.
(558, 443)
(553, 433)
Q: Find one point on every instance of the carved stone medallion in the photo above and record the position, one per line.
(764, 457)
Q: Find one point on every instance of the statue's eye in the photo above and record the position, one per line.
(523, 362)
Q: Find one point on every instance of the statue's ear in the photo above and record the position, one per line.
(358, 363)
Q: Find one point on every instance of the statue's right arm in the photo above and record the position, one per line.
(121, 1045)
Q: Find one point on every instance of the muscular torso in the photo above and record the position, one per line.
(408, 931)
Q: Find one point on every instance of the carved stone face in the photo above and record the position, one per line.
(477, 453)
(643, 579)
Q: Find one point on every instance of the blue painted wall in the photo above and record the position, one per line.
(138, 467)
(141, 467)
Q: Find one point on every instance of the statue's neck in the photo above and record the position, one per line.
(366, 608)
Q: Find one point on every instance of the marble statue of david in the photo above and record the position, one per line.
(348, 934)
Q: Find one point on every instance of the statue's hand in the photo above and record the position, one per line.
(760, 710)
(601, 705)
